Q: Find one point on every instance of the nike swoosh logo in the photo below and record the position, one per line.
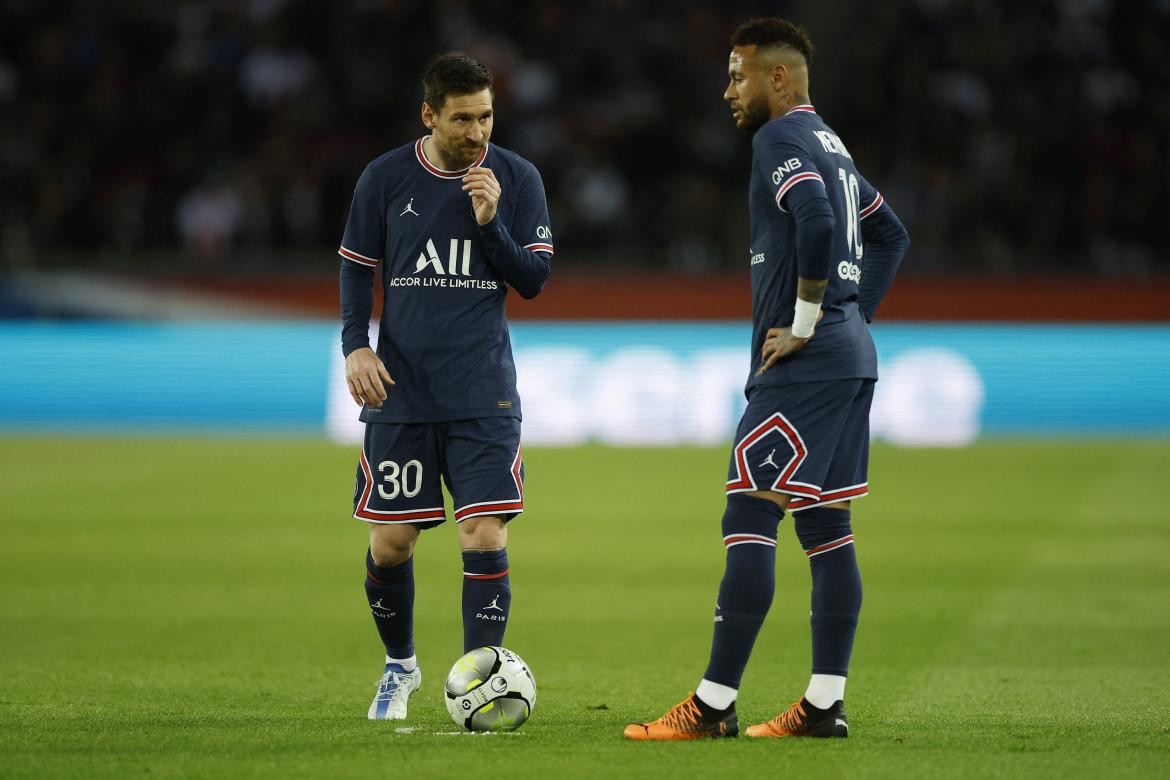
(841, 723)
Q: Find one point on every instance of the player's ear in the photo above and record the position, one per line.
(428, 116)
(778, 76)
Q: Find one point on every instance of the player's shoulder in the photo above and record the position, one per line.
(501, 159)
(795, 128)
(391, 162)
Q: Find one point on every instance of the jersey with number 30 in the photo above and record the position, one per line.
(795, 151)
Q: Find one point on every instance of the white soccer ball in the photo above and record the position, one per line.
(490, 689)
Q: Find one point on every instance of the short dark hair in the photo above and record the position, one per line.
(454, 73)
(771, 31)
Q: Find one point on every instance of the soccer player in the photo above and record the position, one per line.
(824, 249)
(455, 221)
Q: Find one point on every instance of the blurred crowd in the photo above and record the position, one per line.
(1011, 137)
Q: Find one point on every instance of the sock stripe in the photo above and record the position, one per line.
(830, 546)
(731, 540)
(476, 576)
(370, 574)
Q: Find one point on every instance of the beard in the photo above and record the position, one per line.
(754, 114)
(458, 156)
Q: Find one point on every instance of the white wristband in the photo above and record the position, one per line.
(805, 318)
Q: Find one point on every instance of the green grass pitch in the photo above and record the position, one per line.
(194, 608)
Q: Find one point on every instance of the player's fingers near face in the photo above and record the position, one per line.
(484, 178)
(490, 179)
(483, 189)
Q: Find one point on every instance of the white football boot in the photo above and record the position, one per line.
(394, 691)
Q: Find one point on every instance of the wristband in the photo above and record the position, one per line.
(805, 318)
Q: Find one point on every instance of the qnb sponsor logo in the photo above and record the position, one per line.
(544, 232)
(850, 272)
(788, 167)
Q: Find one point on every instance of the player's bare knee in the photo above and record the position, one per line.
(488, 532)
(779, 499)
(392, 544)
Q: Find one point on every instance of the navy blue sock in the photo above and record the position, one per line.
(749, 581)
(487, 597)
(827, 539)
(390, 592)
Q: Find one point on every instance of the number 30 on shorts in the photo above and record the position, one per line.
(406, 479)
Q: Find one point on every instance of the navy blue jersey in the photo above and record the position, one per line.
(797, 156)
(443, 335)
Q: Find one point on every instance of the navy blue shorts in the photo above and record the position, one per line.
(402, 467)
(809, 440)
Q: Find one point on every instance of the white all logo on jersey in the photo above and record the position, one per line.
(430, 257)
(850, 272)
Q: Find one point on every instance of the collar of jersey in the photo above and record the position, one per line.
(807, 108)
(442, 174)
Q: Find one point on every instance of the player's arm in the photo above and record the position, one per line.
(801, 193)
(360, 250)
(524, 267)
(885, 240)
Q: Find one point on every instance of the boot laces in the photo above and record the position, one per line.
(684, 716)
(792, 720)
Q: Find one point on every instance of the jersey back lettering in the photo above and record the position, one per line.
(798, 150)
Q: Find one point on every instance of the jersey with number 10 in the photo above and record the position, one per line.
(443, 335)
(792, 151)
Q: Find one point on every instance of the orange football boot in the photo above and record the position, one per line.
(804, 720)
(684, 721)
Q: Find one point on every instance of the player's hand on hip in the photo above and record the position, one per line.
(780, 343)
(481, 185)
(367, 377)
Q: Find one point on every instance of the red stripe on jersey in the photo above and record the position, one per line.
(797, 179)
(349, 254)
(804, 107)
(871, 208)
(442, 174)
(540, 247)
